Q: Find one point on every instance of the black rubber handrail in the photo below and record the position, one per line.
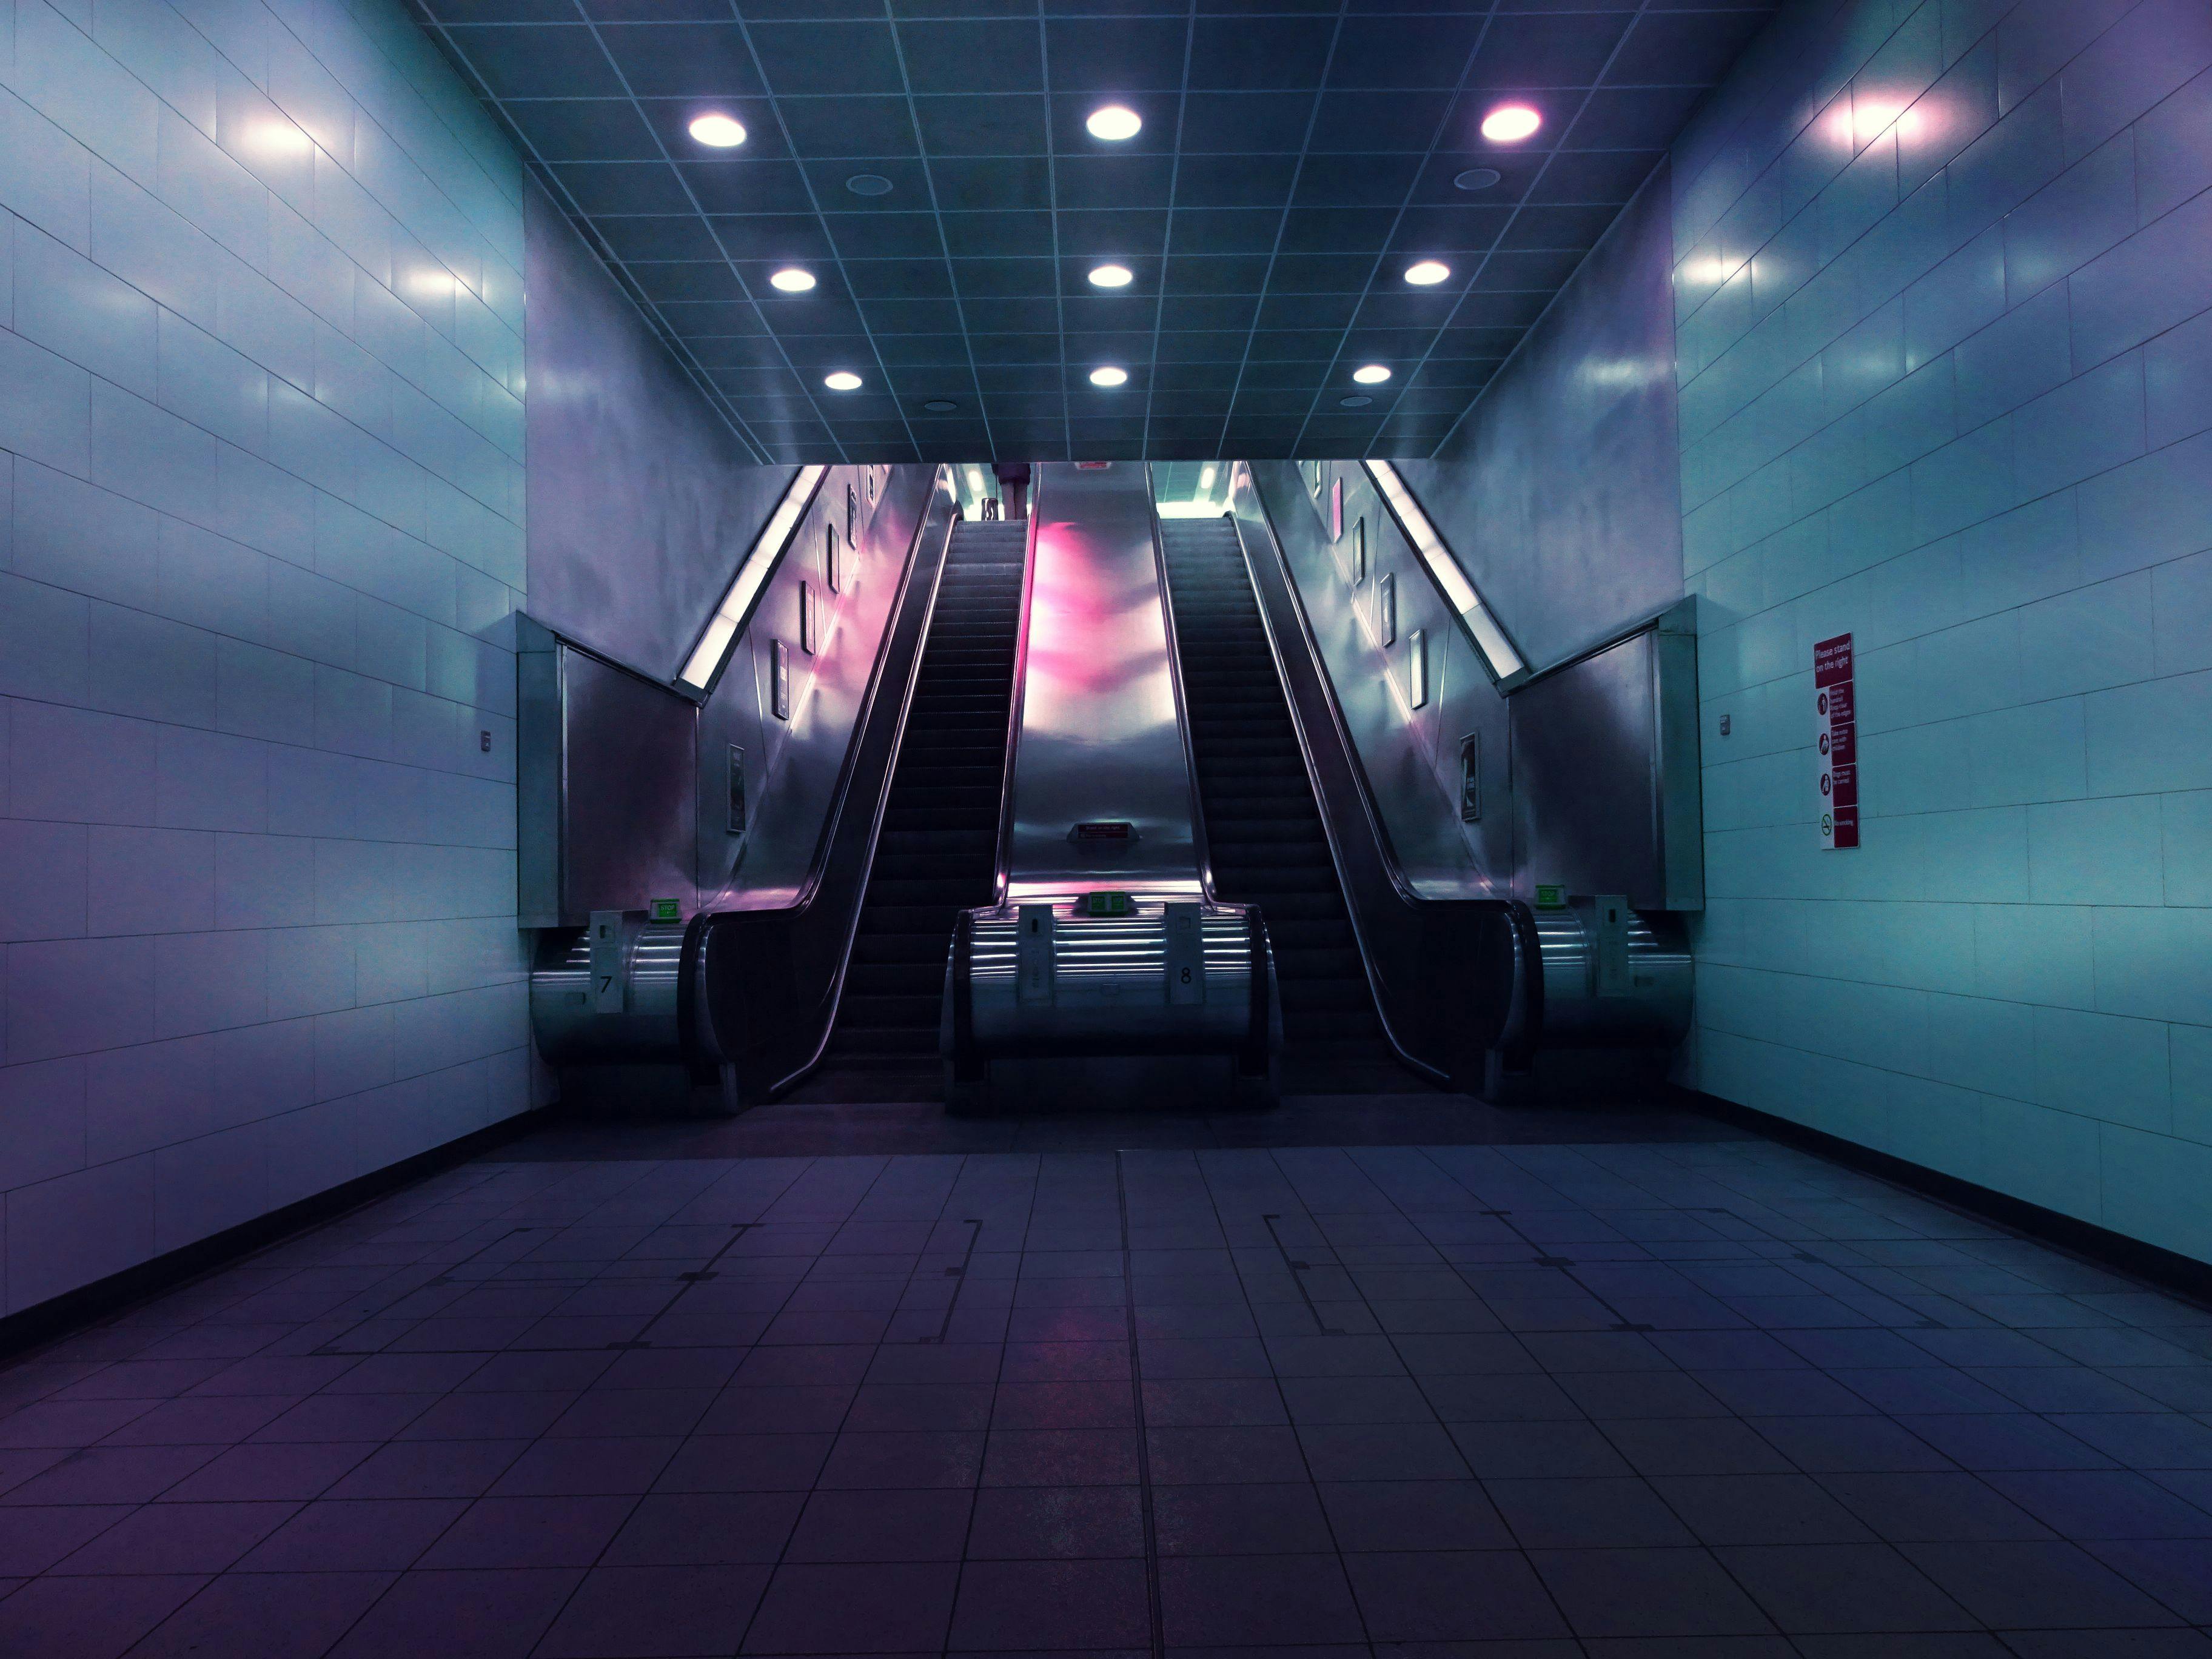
(1442, 971)
(772, 980)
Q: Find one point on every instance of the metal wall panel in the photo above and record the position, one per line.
(792, 765)
(1588, 771)
(609, 787)
(641, 498)
(1099, 739)
(611, 816)
(1560, 490)
(1397, 743)
(1605, 771)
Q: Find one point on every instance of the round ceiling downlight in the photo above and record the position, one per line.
(1358, 400)
(718, 132)
(843, 380)
(792, 280)
(1114, 123)
(1110, 277)
(868, 183)
(1110, 375)
(940, 405)
(1370, 375)
(1508, 124)
(1477, 179)
(1427, 273)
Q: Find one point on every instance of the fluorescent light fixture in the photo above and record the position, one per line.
(717, 131)
(1489, 638)
(792, 280)
(1370, 375)
(1114, 123)
(976, 479)
(1427, 273)
(1508, 124)
(730, 616)
(1205, 475)
(843, 380)
(1110, 375)
(1110, 277)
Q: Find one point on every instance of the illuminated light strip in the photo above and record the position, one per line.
(1489, 638)
(729, 617)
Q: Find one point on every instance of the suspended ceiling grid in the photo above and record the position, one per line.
(1295, 159)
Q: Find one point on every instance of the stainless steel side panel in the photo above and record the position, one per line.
(1110, 982)
(792, 766)
(608, 783)
(1099, 740)
(1606, 775)
(1397, 743)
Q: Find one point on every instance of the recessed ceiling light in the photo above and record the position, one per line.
(843, 380)
(1358, 400)
(717, 131)
(940, 405)
(1508, 124)
(1109, 376)
(1427, 273)
(792, 280)
(1115, 122)
(1370, 375)
(1110, 277)
(1477, 177)
(868, 183)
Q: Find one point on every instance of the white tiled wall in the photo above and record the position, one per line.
(1943, 275)
(260, 549)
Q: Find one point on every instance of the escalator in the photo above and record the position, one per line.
(936, 851)
(1263, 830)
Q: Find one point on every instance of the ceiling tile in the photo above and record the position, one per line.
(1296, 155)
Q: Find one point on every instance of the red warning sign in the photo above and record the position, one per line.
(1836, 740)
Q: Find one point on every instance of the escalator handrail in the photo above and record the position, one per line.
(1199, 845)
(894, 637)
(1003, 858)
(1384, 853)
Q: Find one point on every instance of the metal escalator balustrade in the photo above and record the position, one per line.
(1264, 832)
(935, 855)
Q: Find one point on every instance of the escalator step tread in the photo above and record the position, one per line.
(935, 853)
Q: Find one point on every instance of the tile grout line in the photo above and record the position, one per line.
(1158, 1629)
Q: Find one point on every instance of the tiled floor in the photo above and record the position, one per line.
(1688, 1397)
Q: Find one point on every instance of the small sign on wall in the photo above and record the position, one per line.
(1336, 510)
(1836, 737)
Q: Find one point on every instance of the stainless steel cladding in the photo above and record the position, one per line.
(606, 784)
(1099, 741)
(1613, 978)
(611, 992)
(1042, 979)
(1605, 772)
(1106, 944)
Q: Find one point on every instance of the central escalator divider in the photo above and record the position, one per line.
(937, 854)
(1263, 832)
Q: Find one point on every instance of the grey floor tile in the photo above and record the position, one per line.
(1647, 1593)
(1239, 1520)
(1842, 1588)
(1240, 1601)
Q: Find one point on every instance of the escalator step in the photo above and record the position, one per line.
(936, 851)
(1264, 831)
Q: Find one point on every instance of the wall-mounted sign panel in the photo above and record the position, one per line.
(1836, 735)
